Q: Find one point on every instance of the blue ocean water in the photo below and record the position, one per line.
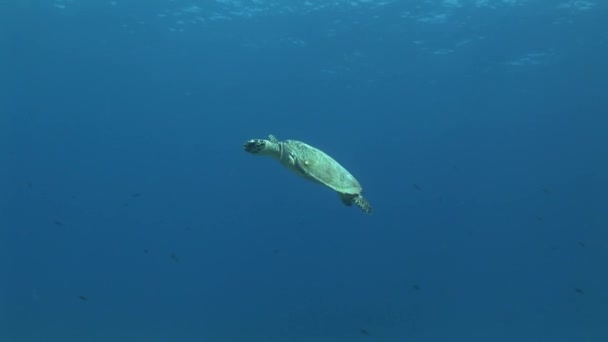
(130, 212)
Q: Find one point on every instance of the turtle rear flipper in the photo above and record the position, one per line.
(346, 199)
(362, 203)
(358, 200)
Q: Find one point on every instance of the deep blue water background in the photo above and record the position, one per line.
(123, 178)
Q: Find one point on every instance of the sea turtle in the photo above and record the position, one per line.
(312, 164)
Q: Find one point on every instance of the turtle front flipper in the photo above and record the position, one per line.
(300, 166)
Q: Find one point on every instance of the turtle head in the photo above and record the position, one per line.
(255, 146)
(263, 147)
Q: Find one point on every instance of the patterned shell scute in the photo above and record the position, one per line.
(324, 168)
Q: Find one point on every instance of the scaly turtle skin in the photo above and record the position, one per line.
(312, 164)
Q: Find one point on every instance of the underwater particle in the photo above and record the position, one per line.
(364, 332)
(276, 251)
(579, 291)
(83, 298)
(547, 191)
(416, 287)
(146, 251)
(174, 258)
(135, 195)
(58, 223)
(417, 187)
(539, 219)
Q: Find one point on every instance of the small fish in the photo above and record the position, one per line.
(579, 291)
(539, 218)
(146, 251)
(135, 195)
(547, 191)
(416, 287)
(276, 251)
(364, 332)
(58, 223)
(582, 244)
(417, 187)
(174, 258)
(83, 298)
